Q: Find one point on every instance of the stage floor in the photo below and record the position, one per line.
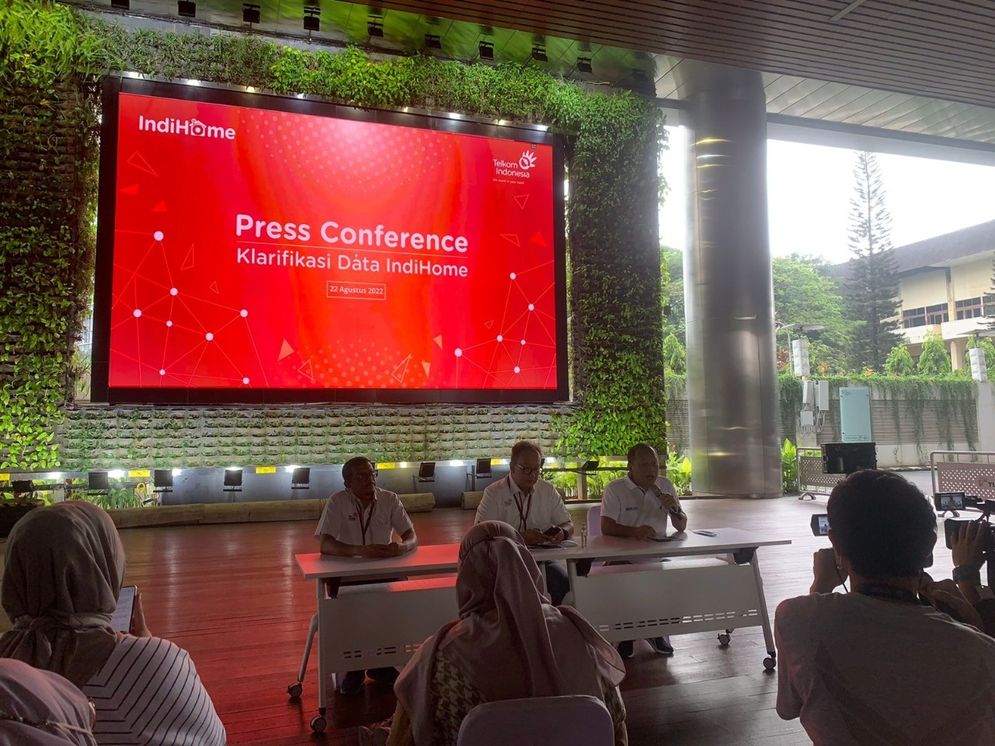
(233, 597)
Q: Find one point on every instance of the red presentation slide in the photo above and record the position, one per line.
(259, 248)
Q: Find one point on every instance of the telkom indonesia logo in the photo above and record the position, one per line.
(527, 160)
(190, 127)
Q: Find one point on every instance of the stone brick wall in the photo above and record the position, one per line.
(108, 437)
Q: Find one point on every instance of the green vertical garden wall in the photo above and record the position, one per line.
(51, 58)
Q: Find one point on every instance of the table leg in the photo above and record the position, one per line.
(771, 660)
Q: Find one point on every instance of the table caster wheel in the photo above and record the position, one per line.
(724, 639)
(318, 724)
(769, 663)
(295, 690)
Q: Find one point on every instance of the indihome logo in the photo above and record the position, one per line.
(520, 168)
(189, 127)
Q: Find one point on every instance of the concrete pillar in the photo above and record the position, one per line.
(731, 382)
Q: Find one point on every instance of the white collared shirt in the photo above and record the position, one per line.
(628, 504)
(341, 518)
(544, 509)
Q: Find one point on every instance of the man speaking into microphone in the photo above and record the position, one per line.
(640, 506)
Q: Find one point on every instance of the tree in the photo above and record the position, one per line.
(673, 354)
(672, 291)
(804, 293)
(933, 360)
(872, 302)
(900, 362)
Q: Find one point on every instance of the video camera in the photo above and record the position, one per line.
(820, 524)
(947, 501)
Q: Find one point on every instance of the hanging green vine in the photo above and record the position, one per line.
(51, 55)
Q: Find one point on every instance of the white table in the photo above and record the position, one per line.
(383, 623)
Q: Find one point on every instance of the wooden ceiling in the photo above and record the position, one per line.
(939, 49)
(910, 67)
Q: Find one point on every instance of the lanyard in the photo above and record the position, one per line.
(364, 526)
(524, 505)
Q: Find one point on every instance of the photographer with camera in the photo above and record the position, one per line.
(880, 664)
(971, 546)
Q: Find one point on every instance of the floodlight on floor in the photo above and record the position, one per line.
(186, 8)
(539, 53)
(300, 478)
(312, 20)
(121, 4)
(250, 13)
(426, 471)
(162, 480)
(98, 480)
(233, 479)
(486, 49)
(433, 41)
(584, 65)
(374, 27)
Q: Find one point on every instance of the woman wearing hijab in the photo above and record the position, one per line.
(509, 642)
(64, 568)
(40, 708)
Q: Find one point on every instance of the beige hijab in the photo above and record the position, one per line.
(64, 570)
(509, 641)
(40, 708)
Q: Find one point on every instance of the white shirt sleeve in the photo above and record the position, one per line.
(399, 518)
(487, 509)
(329, 523)
(611, 505)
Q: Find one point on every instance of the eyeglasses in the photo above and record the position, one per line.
(529, 470)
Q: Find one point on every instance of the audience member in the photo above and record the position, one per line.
(64, 568)
(879, 664)
(40, 708)
(972, 548)
(359, 521)
(509, 642)
(640, 506)
(533, 507)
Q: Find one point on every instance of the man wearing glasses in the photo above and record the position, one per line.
(533, 507)
(360, 521)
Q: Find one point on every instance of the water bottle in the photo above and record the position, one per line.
(583, 535)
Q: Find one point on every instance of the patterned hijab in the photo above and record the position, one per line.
(509, 640)
(40, 708)
(63, 575)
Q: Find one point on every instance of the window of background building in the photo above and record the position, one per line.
(970, 308)
(914, 317)
(937, 314)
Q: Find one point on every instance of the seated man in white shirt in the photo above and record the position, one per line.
(359, 521)
(533, 507)
(639, 506)
(879, 664)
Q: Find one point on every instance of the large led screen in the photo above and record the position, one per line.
(261, 248)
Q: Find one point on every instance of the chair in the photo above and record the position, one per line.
(574, 720)
(594, 521)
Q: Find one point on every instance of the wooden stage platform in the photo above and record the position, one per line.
(233, 597)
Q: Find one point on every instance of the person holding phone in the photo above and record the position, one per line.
(533, 507)
(63, 575)
(641, 506)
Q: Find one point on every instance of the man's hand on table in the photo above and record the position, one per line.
(644, 533)
(534, 537)
(381, 551)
